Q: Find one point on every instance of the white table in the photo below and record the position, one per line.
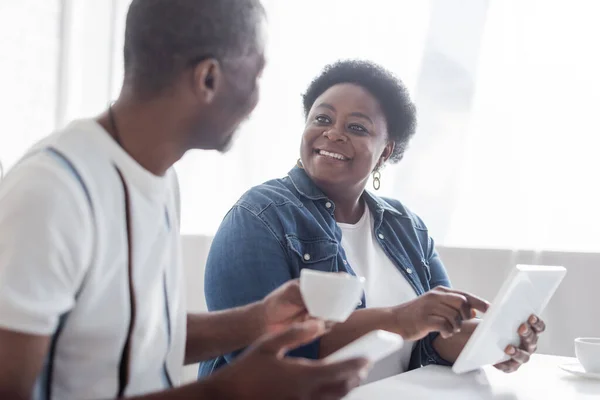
(541, 378)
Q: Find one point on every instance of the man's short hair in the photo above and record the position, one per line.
(163, 37)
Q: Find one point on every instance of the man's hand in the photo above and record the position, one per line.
(283, 307)
(211, 334)
(263, 371)
(439, 310)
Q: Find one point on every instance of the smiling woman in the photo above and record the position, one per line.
(342, 144)
(321, 217)
(358, 116)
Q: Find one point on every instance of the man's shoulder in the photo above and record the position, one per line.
(85, 131)
(41, 188)
(41, 173)
(53, 169)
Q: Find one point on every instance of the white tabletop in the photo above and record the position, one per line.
(541, 378)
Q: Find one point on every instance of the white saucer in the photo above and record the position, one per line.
(577, 369)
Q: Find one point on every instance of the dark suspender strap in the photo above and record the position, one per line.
(63, 319)
(125, 362)
(168, 315)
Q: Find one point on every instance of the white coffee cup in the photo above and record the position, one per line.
(330, 296)
(587, 351)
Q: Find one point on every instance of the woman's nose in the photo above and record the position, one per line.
(335, 136)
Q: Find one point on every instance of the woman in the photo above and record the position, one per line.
(358, 118)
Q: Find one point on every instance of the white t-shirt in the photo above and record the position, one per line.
(64, 265)
(385, 284)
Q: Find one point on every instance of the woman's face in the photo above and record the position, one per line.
(345, 138)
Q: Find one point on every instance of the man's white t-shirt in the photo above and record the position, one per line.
(385, 284)
(64, 265)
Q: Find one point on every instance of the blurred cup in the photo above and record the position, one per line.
(330, 296)
(587, 351)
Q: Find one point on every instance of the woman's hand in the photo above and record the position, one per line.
(529, 333)
(439, 310)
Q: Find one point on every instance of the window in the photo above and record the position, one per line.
(525, 176)
(29, 39)
(507, 91)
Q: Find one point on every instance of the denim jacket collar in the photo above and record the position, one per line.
(304, 185)
(306, 188)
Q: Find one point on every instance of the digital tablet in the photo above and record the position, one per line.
(526, 291)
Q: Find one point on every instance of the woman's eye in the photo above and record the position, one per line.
(357, 128)
(323, 119)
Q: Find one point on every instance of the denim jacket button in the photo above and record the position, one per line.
(345, 262)
(328, 204)
(381, 236)
(307, 257)
(408, 271)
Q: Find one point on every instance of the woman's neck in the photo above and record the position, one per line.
(349, 207)
(350, 213)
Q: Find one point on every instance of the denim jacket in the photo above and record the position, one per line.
(264, 239)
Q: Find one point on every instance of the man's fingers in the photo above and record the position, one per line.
(329, 325)
(305, 317)
(291, 338)
(292, 293)
(289, 293)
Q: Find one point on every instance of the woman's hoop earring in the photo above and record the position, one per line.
(299, 163)
(376, 179)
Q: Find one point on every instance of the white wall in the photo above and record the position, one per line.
(195, 251)
(570, 314)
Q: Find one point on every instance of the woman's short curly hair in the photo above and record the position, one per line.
(399, 110)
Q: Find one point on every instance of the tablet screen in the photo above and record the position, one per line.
(526, 291)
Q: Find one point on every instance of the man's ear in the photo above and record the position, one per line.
(207, 79)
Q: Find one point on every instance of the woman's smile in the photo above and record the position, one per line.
(332, 155)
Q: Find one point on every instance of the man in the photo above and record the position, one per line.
(91, 285)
